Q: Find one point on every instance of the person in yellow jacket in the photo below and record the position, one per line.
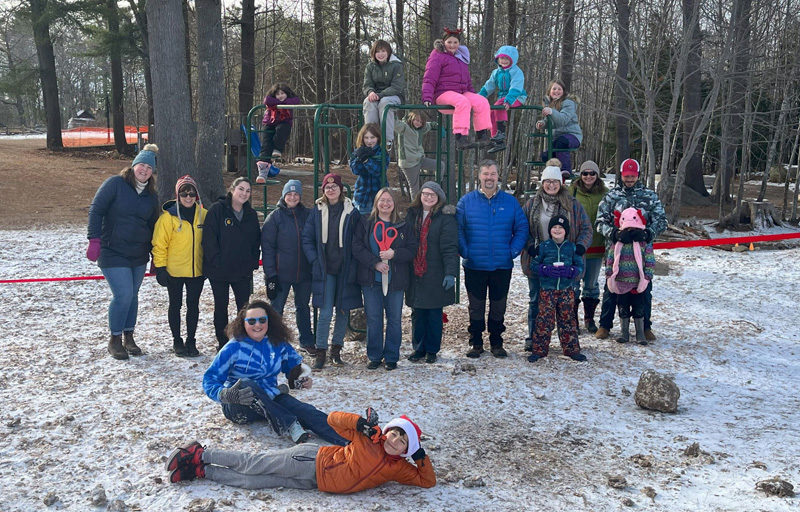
(178, 260)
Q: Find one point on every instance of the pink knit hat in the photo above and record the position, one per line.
(186, 180)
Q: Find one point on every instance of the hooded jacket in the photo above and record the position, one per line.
(282, 244)
(177, 243)
(230, 247)
(508, 82)
(590, 200)
(565, 120)
(364, 464)
(551, 252)
(387, 79)
(410, 149)
(446, 72)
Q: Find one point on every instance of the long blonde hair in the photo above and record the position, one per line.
(373, 215)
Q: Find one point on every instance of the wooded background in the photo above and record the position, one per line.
(689, 87)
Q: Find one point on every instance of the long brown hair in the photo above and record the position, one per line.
(380, 44)
(277, 332)
(372, 128)
(373, 215)
(130, 179)
(556, 104)
(416, 204)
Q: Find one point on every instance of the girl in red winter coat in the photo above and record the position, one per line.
(277, 125)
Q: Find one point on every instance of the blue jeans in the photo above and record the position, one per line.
(374, 306)
(426, 330)
(302, 315)
(326, 315)
(281, 412)
(124, 283)
(533, 305)
(591, 286)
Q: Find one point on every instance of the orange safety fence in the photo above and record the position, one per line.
(99, 136)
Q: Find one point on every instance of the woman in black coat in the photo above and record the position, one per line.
(231, 246)
(434, 269)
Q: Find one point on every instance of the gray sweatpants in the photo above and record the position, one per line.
(412, 174)
(294, 467)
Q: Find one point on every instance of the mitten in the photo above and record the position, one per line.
(570, 272)
(418, 455)
(533, 250)
(547, 270)
(580, 250)
(236, 394)
(449, 282)
(93, 251)
(363, 153)
(273, 287)
(614, 235)
(625, 236)
(162, 276)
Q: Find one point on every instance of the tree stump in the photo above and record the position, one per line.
(756, 215)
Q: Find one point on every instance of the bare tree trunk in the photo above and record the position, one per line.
(40, 19)
(170, 92)
(487, 41)
(210, 144)
(620, 96)
(319, 52)
(247, 77)
(344, 67)
(115, 58)
(512, 22)
(792, 154)
(444, 13)
(780, 127)
(399, 29)
(568, 44)
(138, 9)
(692, 99)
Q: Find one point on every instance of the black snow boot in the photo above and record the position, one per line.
(191, 348)
(589, 307)
(319, 359)
(463, 143)
(482, 138)
(336, 355)
(178, 347)
(115, 347)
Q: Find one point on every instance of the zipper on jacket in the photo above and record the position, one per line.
(372, 472)
(299, 249)
(193, 247)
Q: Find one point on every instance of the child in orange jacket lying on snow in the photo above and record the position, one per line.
(371, 459)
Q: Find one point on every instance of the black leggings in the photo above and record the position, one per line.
(241, 293)
(194, 287)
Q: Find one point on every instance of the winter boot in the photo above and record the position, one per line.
(528, 346)
(298, 433)
(625, 326)
(602, 333)
(482, 138)
(130, 346)
(640, 332)
(577, 356)
(499, 351)
(178, 347)
(589, 307)
(649, 335)
(498, 143)
(263, 172)
(310, 350)
(416, 357)
(463, 143)
(115, 347)
(430, 358)
(336, 355)
(475, 351)
(191, 348)
(319, 359)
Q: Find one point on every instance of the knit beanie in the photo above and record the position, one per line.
(559, 220)
(332, 178)
(147, 156)
(292, 186)
(590, 165)
(185, 180)
(412, 432)
(629, 167)
(551, 173)
(436, 188)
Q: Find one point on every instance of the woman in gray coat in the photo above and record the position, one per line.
(434, 269)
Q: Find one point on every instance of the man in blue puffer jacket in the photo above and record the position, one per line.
(492, 231)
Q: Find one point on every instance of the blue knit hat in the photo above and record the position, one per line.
(147, 156)
(292, 186)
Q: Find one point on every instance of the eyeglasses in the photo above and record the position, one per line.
(252, 321)
(332, 186)
(187, 194)
(588, 173)
(429, 194)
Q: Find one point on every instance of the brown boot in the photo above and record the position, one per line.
(319, 359)
(336, 355)
(602, 333)
(649, 335)
(115, 347)
(130, 345)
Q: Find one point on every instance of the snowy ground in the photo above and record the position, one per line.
(544, 436)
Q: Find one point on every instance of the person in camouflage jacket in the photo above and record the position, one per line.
(630, 193)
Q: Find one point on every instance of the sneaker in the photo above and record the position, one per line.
(391, 366)
(416, 357)
(577, 357)
(298, 433)
(499, 351)
(533, 358)
(602, 333)
(263, 171)
(191, 455)
(373, 365)
(475, 352)
(430, 358)
(276, 154)
(186, 474)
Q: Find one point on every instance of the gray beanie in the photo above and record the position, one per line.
(292, 186)
(436, 188)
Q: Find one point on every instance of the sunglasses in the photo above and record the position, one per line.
(252, 321)
(588, 173)
(187, 194)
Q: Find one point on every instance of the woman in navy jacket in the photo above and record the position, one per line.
(121, 221)
(231, 246)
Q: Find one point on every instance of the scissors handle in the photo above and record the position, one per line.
(384, 236)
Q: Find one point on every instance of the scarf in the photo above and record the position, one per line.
(420, 261)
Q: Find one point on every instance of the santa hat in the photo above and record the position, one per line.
(629, 167)
(412, 432)
(185, 180)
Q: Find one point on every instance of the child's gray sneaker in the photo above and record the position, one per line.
(263, 171)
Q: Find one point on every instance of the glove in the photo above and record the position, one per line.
(363, 153)
(625, 236)
(93, 251)
(547, 271)
(273, 287)
(533, 250)
(641, 235)
(570, 272)
(162, 276)
(236, 394)
(449, 282)
(614, 235)
(580, 250)
(298, 376)
(418, 455)
(367, 426)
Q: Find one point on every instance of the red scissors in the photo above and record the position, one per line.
(384, 237)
